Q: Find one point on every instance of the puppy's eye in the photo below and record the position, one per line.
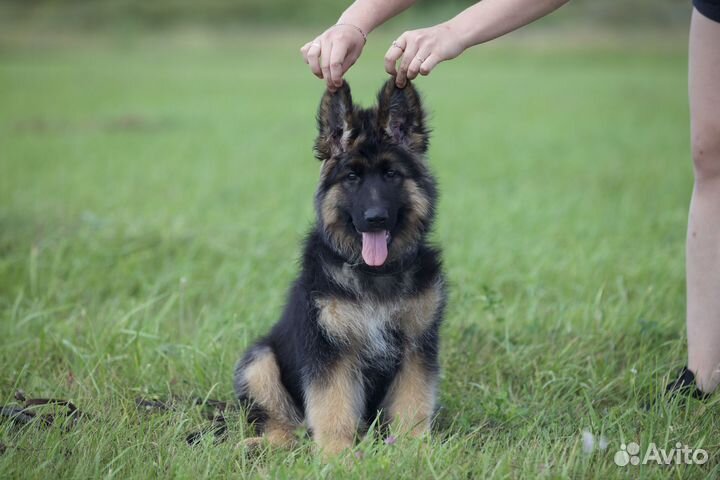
(352, 176)
(391, 174)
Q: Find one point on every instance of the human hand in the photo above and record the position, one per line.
(420, 50)
(332, 53)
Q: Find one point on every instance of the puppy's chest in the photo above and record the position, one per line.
(375, 327)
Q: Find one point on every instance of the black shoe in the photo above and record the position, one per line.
(684, 384)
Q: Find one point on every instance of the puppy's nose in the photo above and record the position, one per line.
(376, 216)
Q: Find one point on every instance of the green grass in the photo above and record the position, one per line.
(154, 190)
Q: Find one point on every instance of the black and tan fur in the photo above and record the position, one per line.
(356, 340)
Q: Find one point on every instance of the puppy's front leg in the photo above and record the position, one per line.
(334, 403)
(410, 402)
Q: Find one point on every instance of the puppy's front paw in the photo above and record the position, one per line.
(252, 444)
(330, 449)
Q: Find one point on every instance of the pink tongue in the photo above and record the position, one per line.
(374, 248)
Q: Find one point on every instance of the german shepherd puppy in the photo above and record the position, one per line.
(359, 333)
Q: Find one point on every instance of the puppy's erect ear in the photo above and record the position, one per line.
(334, 119)
(402, 117)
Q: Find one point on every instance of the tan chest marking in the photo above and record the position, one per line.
(366, 324)
(420, 311)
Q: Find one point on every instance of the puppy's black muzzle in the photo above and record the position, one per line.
(376, 218)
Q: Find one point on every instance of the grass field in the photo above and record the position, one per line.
(154, 190)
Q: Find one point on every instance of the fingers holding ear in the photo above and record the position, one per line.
(419, 51)
(393, 54)
(416, 62)
(312, 57)
(408, 56)
(333, 52)
(325, 65)
(337, 68)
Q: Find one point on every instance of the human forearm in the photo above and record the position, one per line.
(332, 53)
(369, 14)
(490, 19)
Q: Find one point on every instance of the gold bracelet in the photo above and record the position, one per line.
(364, 35)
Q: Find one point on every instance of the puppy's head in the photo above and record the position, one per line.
(376, 195)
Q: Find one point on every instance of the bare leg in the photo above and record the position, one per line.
(703, 241)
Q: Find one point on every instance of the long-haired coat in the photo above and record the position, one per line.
(359, 332)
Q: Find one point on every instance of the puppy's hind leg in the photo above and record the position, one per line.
(258, 383)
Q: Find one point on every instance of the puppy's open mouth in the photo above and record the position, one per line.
(375, 247)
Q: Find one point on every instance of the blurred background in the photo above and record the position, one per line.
(162, 13)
